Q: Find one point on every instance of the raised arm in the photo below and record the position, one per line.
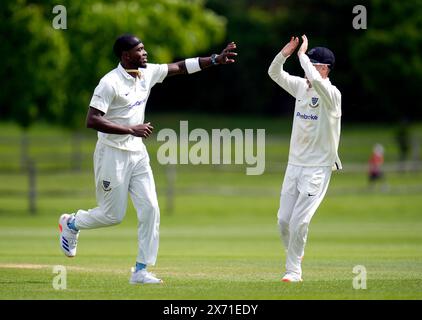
(197, 64)
(281, 77)
(325, 89)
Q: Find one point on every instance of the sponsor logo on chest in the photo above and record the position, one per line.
(137, 103)
(305, 116)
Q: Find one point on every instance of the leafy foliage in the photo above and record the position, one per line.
(388, 56)
(36, 58)
(52, 73)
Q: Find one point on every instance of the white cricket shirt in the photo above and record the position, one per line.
(316, 119)
(123, 99)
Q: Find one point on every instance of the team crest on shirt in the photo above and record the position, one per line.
(106, 185)
(314, 102)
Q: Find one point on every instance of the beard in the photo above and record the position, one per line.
(138, 63)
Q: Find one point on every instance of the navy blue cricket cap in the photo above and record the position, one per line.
(322, 55)
(125, 42)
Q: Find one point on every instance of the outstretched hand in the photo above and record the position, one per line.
(226, 56)
(290, 47)
(304, 47)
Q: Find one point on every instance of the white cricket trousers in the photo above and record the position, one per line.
(302, 191)
(117, 174)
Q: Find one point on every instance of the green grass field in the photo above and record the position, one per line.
(221, 241)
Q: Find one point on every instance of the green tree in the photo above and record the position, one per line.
(168, 28)
(51, 74)
(388, 57)
(377, 68)
(35, 58)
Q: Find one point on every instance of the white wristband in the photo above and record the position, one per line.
(192, 65)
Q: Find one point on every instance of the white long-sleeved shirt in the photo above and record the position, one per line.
(317, 116)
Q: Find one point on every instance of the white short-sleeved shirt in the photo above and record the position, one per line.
(317, 116)
(123, 98)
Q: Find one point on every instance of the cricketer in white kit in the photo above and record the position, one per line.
(314, 142)
(121, 161)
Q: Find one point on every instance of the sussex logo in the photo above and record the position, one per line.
(314, 102)
(106, 185)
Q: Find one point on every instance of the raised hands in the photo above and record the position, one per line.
(304, 47)
(291, 46)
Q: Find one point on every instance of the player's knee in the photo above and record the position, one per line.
(115, 220)
(150, 210)
(300, 228)
(284, 225)
(114, 216)
(152, 206)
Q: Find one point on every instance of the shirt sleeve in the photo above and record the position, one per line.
(289, 83)
(158, 73)
(103, 96)
(329, 93)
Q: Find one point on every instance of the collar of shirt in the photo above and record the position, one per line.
(125, 73)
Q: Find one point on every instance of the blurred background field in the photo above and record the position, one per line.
(219, 237)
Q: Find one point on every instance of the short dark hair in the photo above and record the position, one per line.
(125, 42)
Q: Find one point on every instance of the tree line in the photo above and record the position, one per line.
(50, 74)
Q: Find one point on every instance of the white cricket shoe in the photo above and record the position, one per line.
(291, 277)
(68, 237)
(143, 276)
